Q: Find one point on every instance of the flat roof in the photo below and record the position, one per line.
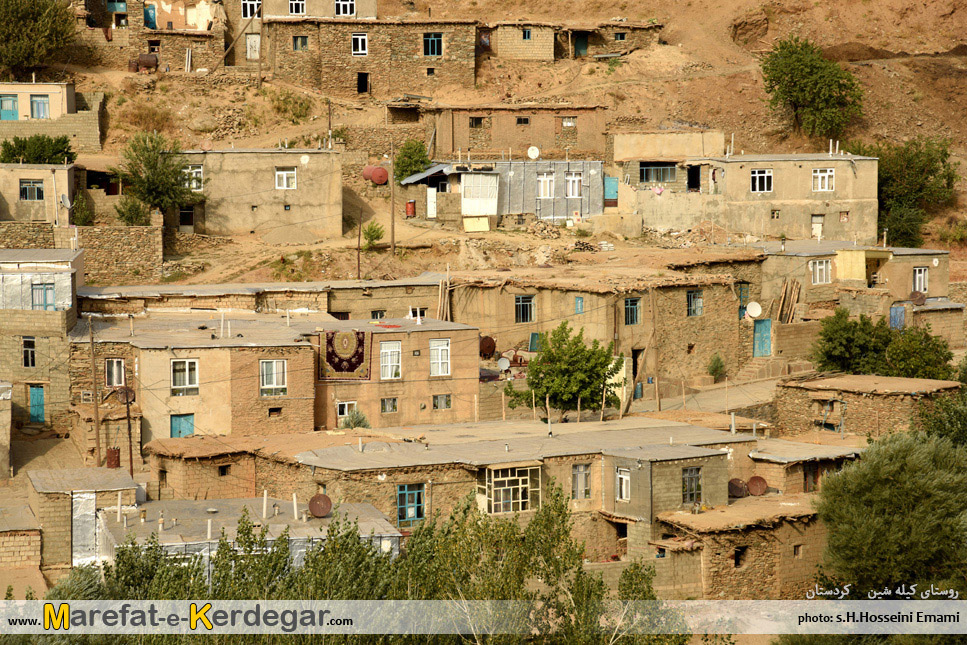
(714, 420)
(748, 512)
(782, 451)
(830, 247)
(282, 447)
(871, 384)
(39, 255)
(605, 278)
(244, 151)
(366, 22)
(192, 520)
(36, 166)
(664, 452)
(15, 516)
(793, 156)
(80, 479)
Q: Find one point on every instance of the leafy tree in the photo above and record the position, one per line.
(822, 97)
(915, 174)
(944, 417)
(37, 148)
(853, 346)
(83, 214)
(372, 233)
(568, 370)
(132, 211)
(31, 31)
(411, 158)
(916, 353)
(153, 171)
(904, 225)
(898, 515)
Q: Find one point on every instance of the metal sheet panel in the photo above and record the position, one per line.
(83, 535)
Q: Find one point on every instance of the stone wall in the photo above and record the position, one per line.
(26, 235)
(222, 477)
(20, 549)
(83, 127)
(114, 434)
(794, 340)
(946, 323)
(6, 425)
(494, 406)
(687, 343)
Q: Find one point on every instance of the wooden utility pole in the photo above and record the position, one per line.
(392, 197)
(654, 322)
(127, 404)
(97, 410)
(359, 243)
(604, 398)
(258, 82)
(232, 46)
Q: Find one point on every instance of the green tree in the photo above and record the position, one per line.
(372, 233)
(132, 211)
(903, 225)
(37, 148)
(916, 353)
(355, 419)
(822, 97)
(716, 367)
(411, 158)
(898, 515)
(153, 171)
(945, 417)
(32, 31)
(853, 346)
(567, 370)
(83, 211)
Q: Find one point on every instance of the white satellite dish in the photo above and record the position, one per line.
(503, 363)
(754, 309)
(533, 152)
(65, 202)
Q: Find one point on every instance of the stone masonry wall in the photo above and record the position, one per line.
(946, 323)
(83, 128)
(20, 549)
(26, 235)
(794, 340)
(223, 477)
(686, 343)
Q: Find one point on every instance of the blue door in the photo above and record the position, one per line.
(762, 338)
(610, 191)
(897, 317)
(8, 108)
(150, 20)
(36, 403)
(182, 425)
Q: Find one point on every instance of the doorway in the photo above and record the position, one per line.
(762, 338)
(430, 202)
(817, 222)
(362, 82)
(182, 425)
(36, 395)
(253, 46)
(186, 219)
(580, 44)
(8, 108)
(694, 179)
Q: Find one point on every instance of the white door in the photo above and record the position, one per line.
(430, 202)
(818, 226)
(83, 544)
(253, 46)
(478, 194)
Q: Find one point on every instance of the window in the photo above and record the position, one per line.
(774, 215)
(632, 311)
(572, 184)
(691, 485)
(300, 43)
(545, 185)
(31, 190)
(377, 314)
(441, 401)
(285, 178)
(114, 372)
(39, 106)
(797, 551)
(920, 279)
(42, 296)
(810, 477)
(417, 312)
(581, 481)
(275, 412)
(409, 504)
(695, 302)
(578, 305)
(360, 44)
(345, 7)
(390, 357)
(653, 173)
(738, 556)
(440, 357)
(523, 120)
(223, 471)
(272, 378)
(511, 490)
(620, 35)
(194, 178)
(431, 71)
(388, 406)
(821, 271)
(476, 122)
(525, 34)
(569, 122)
(742, 291)
(523, 309)
(823, 179)
(186, 216)
(433, 44)
(184, 377)
(251, 8)
(154, 46)
(622, 484)
(29, 346)
(343, 408)
(761, 180)
(297, 7)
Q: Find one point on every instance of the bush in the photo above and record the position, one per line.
(822, 97)
(153, 171)
(37, 148)
(914, 174)
(372, 233)
(31, 31)
(83, 210)
(716, 367)
(294, 107)
(150, 117)
(903, 226)
(411, 158)
(133, 212)
(355, 419)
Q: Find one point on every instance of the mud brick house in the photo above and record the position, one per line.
(53, 109)
(755, 548)
(548, 41)
(521, 40)
(19, 540)
(6, 426)
(282, 195)
(38, 309)
(65, 503)
(791, 467)
(113, 420)
(381, 57)
(36, 192)
(867, 405)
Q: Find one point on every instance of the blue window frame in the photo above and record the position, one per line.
(742, 290)
(42, 296)
(578, 304)
(526, 33)
(409, 504)
(433, 44)
(632, 311)
(696, 303)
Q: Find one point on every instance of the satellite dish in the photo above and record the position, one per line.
(66, 202)
(320, 505)
(918, 298)
(533, 152)
(757, 486)
(125, 395)
(503, 364)
(754, 309)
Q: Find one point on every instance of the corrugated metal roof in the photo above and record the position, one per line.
(432, 170)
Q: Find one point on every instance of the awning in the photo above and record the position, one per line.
(532, 463)
(420, 176)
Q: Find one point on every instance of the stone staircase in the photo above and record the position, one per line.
(770, 367)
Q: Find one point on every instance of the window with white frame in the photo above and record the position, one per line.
(39, 106)
(345, 7)
(28, 346)
(823, 180)
(285, 178)
(921, 279)
(114, 372)
(440, 357)
(523, 309)
(821, 271)
(343, 408)
(251, 8)
(622, 484)
(272, 378)
(418, 312)
(390, 360)
(511, 490)
(184, 377)
(581, 481)
(297, 7)
(569, 122)
(360, 44)
(442, 402)
(194, 179)
(572, 184)
(545, 185)
(761, 180)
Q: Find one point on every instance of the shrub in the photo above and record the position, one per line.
(355, 419)
(716, 367)
(411, 158)
(133, 212)
(150, 117)
(903, 224)
(37, 148)
(372, 233)
(294, 107)
(83, 210)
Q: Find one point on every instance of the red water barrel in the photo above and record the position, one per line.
(113, 458)
(380, 175)
(411, 208)
(368, 172)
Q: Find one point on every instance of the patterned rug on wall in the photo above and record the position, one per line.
(347, 355)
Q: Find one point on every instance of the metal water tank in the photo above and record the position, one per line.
(368, 172)
(380, 175)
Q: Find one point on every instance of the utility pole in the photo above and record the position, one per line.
(392, 198)
(97, 411)
(359, 242)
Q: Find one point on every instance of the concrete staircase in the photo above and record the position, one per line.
(770, 367)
